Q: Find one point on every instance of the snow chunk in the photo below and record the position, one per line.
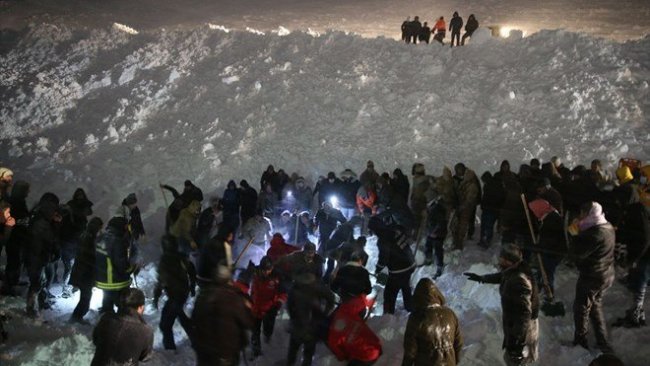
(125, 28)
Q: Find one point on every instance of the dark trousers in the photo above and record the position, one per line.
(435, 246)
(455, 35)
(488, 219)
(85, 295)
(68, 253)
(465, 36)
(397, 282)
(439, 37)
(36, 282)
(471, 222)
(12, 270)
(550, 263)
(210, 360)
(173, 310)
(266, 325)
(588, 306)
(110, 300)
(309, 348)
(361, 363)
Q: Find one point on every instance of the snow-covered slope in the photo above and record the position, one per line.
(117, 112)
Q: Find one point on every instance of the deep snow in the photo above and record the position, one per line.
(117, 112)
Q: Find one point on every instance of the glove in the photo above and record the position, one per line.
(474, 277)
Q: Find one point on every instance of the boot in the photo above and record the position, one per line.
(582, 342)
(438, 272)
(31, 309)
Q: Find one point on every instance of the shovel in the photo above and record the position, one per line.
(549, 307)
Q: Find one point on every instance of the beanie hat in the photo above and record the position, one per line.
(624, 174)
(511, 253)
(130, 199)
(309, 247)
(132, 297)
(540, 208)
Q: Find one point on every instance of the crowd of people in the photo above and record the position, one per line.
(315, 267)
(414, 31)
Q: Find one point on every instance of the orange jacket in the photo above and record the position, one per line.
(440, 25)
(367, 202)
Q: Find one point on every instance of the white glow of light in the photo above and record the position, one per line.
(96, 301)
(218, 27)
(505, 32)
(125, 28)
(289, 194)
(334, 201)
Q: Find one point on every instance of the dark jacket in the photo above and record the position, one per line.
(327, 219)
(296, 265)
(351, 280)
(519, 306)
(493, 195)
(83, 270)
(326, 189)
(393, 243)
(248, 200)
(436, 219)
(633, 229)
(113, 267)
(348, 189)
(593, 250)
(74, 223)
(43, 242)
(456, 24)
(551, 235)
(472, 25)
(221, 319)
(400, 183)
(176, 275)
(309, 304)
(122, 339)
(212, 254)
(432, 336)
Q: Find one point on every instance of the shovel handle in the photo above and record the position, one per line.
(547, 288)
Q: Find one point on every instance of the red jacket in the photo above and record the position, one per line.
(279, 248)
(349, 337)
(266, 293)
(367, 202)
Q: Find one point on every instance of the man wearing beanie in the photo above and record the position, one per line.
(123, 338)
(519, 305)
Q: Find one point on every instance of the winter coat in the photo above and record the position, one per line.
(493, 195)
(519, 307)
(266, 294)
(83, 270)
(349, 337)
(176, 275)
(216, 252)
(349, 189)
(309, 304)
(279, 248)
(221, 320)
(122, 339)
(436, 219)
(370, 175)
(593, 250)
(400, 184)
(267, 203)
(207, 225)
(113, 267)
(296, 265)
(440, 26)
(456, 24)
(258, 228)
(231, 201)
(248, 199)
(351, 280)
(513, 215)
(432, 336)
(394, 250)
(268, 177)
(327, 220)
(327, 189)
(551, 235)
(418, 194)
(469, 191)
(75, 220)
(43, 241)
(303, 198)
(184, 229)
(472, 25)
(304, 230)
(385, 196)
(346, 250)
(366, 200)
(136, 226)
(554, 198)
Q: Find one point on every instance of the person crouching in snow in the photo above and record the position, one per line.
(177, 277)
(267, 299)
(519, 305)
(349, 337)
(432, 335)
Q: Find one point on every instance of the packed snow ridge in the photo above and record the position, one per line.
(118, 110)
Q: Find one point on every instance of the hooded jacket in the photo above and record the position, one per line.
(184, 227)
(432, 336)
(394, 250)
(113, 267)
(83, 270)
(309, 304)
(266, 293)
(122, 339)
(593, 248)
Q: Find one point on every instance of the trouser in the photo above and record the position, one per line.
(439, 37)
(172, 310)
(460, 229)
(465, 36)
(488, 219)
(588, 306)
(455, 35)
(266, 325)
(348, 213)
(207, 359)
(550, 263)
(12, 270)
(68, 253)
(397, 282)
(110, 300)
(85, 295)
(638, 284)
(329, 268)
(472, 221)
(309, 348)
(435, 246)
(324, 237)
(36, 281)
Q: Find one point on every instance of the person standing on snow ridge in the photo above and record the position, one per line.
(123, 338)
(432, 335)
(425, 33)
(470, 27)
(519, 306)
(455, 25)
(440, 28)
(406, 30)
(593, 249)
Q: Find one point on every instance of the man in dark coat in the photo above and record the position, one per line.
(436, 234)
(348, 193)
(432, 335)
(470, 27)
(217, 251)
(114, 264)
(209, 221)
(73, 225)
(491, 202)
(123, 338)
(406, 30)
(326, 188)
(327, 219)
(455, 25)
(309, 304)
(352, 279)
(394, 254)
(400, 184)
(519, 306)
(551, 242)
(248, 199)
(15, 245)
(222, 318)
(593, 250)
(40, 250)
(83, 270)
(231, 203)
(425, 33)
(177, 278)
(416, 28)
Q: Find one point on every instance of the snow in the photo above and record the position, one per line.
(119, 103)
